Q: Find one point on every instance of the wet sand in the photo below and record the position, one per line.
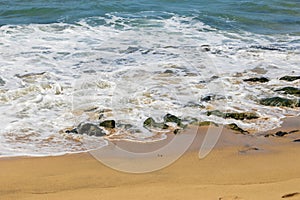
(239, 167)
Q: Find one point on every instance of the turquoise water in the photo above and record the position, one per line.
(266, 17)
(64, 62)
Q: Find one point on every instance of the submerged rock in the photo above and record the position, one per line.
(237, 116)
(30, 75)
(150, 123)
(90, 129)
(260, 79)
(290, 78)
(278, 101)
(290, 90)
(168, 71)
(212, 97)
(108, 124)
(235, 127)
(2, 82)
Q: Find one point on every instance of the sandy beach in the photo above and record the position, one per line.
(256, 168)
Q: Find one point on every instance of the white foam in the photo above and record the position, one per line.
(122, 64)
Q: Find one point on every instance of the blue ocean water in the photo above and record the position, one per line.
(265, 17)
(67, 62)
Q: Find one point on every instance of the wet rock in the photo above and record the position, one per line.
(177, 131)
(90, 129)
(281, 133)
(205, 123)
(212, 97)
(290, 195)
(89, 71)
(214, 77)
(168, 71)
(130, 50)
(205, 47)
(260, 79)
(290, 90)
(150, 123)
(74, 130)
(108, 124)
(259, 70)
(290, 78)
(237, 116)
(2, 82)
(30, 75)
(278, 101)
(235, 127)
(248, 149)
(194, 105)
(172, 118)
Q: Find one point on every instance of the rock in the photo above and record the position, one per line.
(237, 116)
(74, 130)
(205, 123)
(172, 118)
(235, 127)
(248, 149)
(260, 79)
(2, 82)
(205, 47)
(278, 101)
(176, 131)
(108, 124)
(150, 123)
(259, 70)
(30, 75)
(290, 78)
(281, 133)
(130, 50)
(297, 140)
(290, 195)
(230, 198)
(290, 90)
(90, 129)
(212, 97)
(194, 105)
(168, 71)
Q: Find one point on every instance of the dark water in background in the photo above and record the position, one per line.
(265, 17)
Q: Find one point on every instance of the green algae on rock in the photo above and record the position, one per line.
(236, 128)
(151, 123)
(279, 101)
(237, 116)
(90, 129)
(289, 90)
(108, 124)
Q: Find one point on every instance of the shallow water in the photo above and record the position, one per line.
(62, 63)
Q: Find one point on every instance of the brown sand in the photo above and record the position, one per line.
(240, 167)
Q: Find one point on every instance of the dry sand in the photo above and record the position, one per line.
(240, 167)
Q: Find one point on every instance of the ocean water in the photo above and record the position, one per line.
(66, 62)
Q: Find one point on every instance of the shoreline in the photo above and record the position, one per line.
(252, 169)
(288, 124)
